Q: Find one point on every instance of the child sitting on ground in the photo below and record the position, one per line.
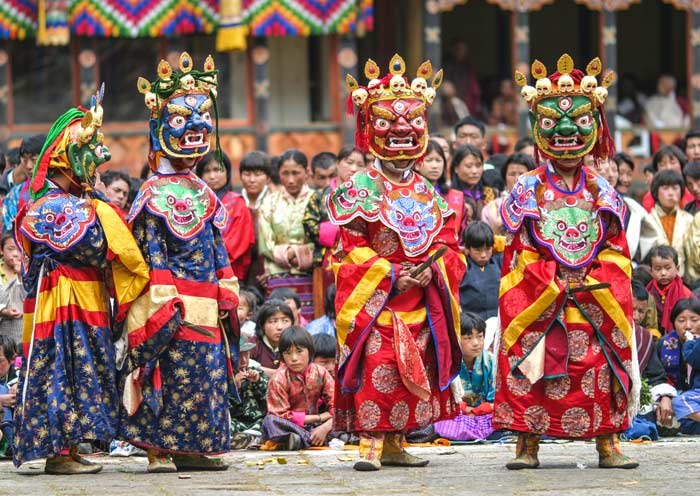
(478, 291)
(247, 306)
(476, 375)
(666, 286)
(8, 393)
(247, 413)
(325, 352)
(273, 318)
(293, 420)
(686, 406)
(291, 298)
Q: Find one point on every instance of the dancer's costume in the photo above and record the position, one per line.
(78, 253)
(183, 335)
(566, 358)
(398, 352)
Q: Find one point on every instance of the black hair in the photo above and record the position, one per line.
(434, 146)
(692, 133)
(9, 347)
(324, 345)
(255, 161)
(108, 177)
(296, 156)
(664, 252)
(286, 294)
(642, 273)
(267, 310)
(691, 304)
(246, 294)
(299, 337)
(622, 157)
(520, 159)
(5, 236)
(459, 155)
(470, 121)
(135, 184)
(348, 150)
(32, 145)
(523, 143)
(668, 151)
(692, 169)
(13, 157)
(208, 159)
(470, 322)
(323, 160)
(145, 171)
(468, 200)
(666, 177)
(329, 302)
(639, 291)
(3, 158)
(275, 162)
(648, 168)
(478, 234)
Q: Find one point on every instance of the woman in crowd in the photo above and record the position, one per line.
(239, 234)
(467, 171)
(281, 239)
(620, 170)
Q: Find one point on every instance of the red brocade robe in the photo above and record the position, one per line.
(565, 306)
(398, 352)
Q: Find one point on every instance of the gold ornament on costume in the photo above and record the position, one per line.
(170, 83)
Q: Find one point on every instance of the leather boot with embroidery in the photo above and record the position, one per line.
(70, 464)
(610, 455)
(160, 462)
(525, 452)
(370, 453)
(395, 456)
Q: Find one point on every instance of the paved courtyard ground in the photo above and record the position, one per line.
(667, 468)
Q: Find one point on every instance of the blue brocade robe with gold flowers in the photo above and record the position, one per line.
(180, 366)
(77, 253)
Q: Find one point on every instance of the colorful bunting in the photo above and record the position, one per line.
(306, 17)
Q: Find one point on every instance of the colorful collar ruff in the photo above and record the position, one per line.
(567, 223)
(183, 201)
(413, 210)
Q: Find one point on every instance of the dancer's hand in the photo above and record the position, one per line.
(425, 277)
(405, 282)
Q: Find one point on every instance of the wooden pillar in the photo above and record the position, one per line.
(261, 91)
(347, 61)
(608, 52)
(521, 59)
(87, 71)
(693, 64)
(432, 46)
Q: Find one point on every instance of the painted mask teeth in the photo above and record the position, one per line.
(192, 140)
(564, 141)
(407, 142)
